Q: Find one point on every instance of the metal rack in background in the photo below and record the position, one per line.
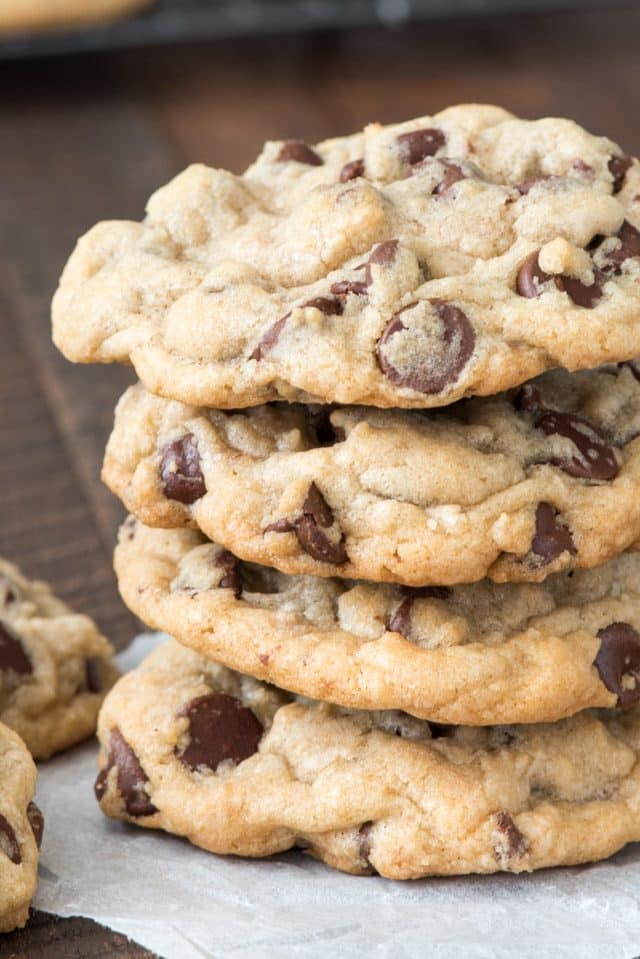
(170, 21)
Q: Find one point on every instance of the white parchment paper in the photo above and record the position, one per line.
(187, 904)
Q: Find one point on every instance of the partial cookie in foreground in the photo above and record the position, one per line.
(405, 266)
(55, 667)
(21, 826)
(35, 16)
(475, 655)
(229, 763)
(515, 487)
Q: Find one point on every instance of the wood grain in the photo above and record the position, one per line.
(88, 138)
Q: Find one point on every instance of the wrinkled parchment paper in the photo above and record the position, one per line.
(187, 904)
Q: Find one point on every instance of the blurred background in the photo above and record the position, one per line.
(104, 100)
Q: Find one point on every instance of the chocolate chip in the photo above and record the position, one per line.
(131, 777)
(280, 526)
(431, 369)
(453, 174)
(363, 840)
(530, 276)
(579, 292)
(317, 516)
(400, 619)
(629, 247)
(299, 152)
(270, 338)
(526, 185)
(352, 170)
(13, 658)
(227, 562)
(8, 842)
(551, 538)
(512, 844)
(36, 821)
(618, 167)
(344, 287)
(93, 675)
(383, 255)
(597, 460)
(418, 144)
(618, 662)
(220, 729)
(580, 165)
(328, 305)
(180, 471)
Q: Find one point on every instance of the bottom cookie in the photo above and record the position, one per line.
(21, 826)
(238, 767)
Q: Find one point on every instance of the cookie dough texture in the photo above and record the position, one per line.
(476, 654)
(404, 266)
(232, 765)
(21, 826)
(27, 16)
(514, 487)
(55, 667)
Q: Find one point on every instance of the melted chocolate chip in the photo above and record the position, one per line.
(513, 844)
(93, 675)
(131, 777)
(352, 170)
(180, 472)
(629, 247)
(328, 305)
(344, 287)
(579, 292)
(418, 144)
(551, 538)
(597, 460)
(317, 516)
(400, 619)
(270, 338)
(13, 658)
(230, 566)
(427, 373)
(618, 662)
(526, 185)
(530, 276)
(363, 839)
(618, 167)
(220, 729)
(383, 255)
(8, 842)
(36, 821)
(453, 174)
(299, 152)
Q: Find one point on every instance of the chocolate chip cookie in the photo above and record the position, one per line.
(476, 654)
(515, 487)
(21, 827)
(55, 667)
(237, 767)
(405, 266)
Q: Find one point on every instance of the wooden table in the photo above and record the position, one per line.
(88, 138)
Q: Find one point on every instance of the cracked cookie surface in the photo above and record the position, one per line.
(21, 827)
(55, 667)
(405, 266)
(238, 768)
(515, 487)
(476, 654)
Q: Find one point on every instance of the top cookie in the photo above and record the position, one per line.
(405, 266)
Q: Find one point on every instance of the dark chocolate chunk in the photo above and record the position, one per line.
(618, 167)
(618, 662)
(130, 775)
(220, 730)
(36, 821)
(352, 170)
(8, 842)
(316, 517)
(299, 152)
(418, 144)
(551, 538)
(180, 472)
(230, 566)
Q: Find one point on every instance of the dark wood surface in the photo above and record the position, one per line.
(88, 138)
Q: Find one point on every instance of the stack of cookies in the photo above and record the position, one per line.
(389, 529)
